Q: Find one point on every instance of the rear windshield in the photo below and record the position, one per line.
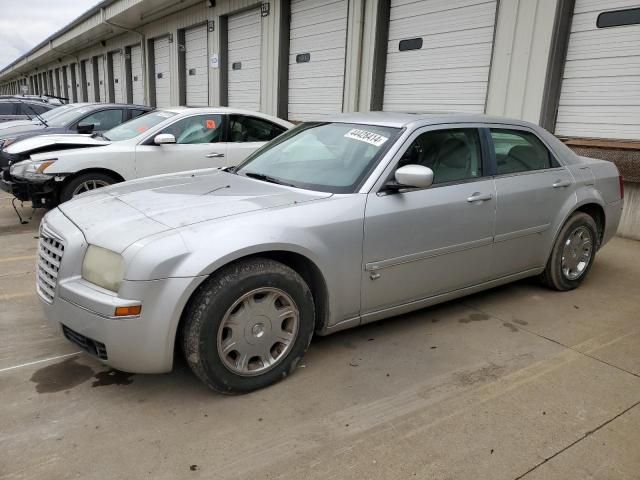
(137, 126)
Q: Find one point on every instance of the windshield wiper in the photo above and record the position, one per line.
(267, 178)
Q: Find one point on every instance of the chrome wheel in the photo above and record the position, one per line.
(577, 253)
(258, 331)
(89, 185)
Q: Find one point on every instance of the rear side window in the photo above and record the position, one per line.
(520, 151)
(252, 129)
(6, 108)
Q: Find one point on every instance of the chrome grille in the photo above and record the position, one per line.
(50, 251)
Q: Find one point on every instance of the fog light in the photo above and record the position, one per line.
(128, 311)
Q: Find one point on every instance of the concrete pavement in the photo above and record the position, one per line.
(517, 382)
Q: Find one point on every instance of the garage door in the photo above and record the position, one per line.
(162, 63)
(116, 64)
(137, 79)
(102, 84)
(90, 88)
(316, 58)
(600, 94)
(78, 85)
(197, 80)
(438, 55)
(244, 50)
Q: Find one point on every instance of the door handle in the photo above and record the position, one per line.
(215, 155)
(478, 197)
(561, 184)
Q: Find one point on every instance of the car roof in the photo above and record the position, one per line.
(402, 120)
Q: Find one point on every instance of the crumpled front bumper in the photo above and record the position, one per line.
(40, 194)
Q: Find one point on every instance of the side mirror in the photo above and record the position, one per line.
(164, 138)
(412, 176)
(86, 127)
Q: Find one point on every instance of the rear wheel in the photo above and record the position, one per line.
(248, 326)
(573, 253)
(84, 183)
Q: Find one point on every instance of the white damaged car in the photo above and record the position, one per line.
(163, 141)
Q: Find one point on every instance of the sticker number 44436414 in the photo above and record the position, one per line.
(366, 136)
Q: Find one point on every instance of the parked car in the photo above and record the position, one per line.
(332, 225)
(22, 108)
(165, 141)
(81, 118)
(43, 117)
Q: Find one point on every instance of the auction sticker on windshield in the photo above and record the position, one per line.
(366, 136)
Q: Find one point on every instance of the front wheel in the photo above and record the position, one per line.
(248, 326)
(573, 253)
(84, 183)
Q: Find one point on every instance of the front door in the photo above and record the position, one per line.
(421, 243)
(197, 146)
(531, 189)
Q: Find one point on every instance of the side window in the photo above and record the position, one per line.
(104, 120)
(6, 108)
(520, 151)
(252, 129)
(453, 155)
(196, 129)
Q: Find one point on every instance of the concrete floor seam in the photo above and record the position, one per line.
(520, 327)
(586, 435)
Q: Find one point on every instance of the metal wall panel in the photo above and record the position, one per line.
(162, 67)
(450, 69)
(600, 94)
(244, 59)
(137, 77)
(196, 65)
(317, 50)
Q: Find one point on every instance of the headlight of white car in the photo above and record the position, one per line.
(103, 267)
(30, 170)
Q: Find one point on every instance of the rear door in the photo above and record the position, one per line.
(198, 145)
(246, 134)
(531, 188)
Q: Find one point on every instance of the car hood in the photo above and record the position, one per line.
(62, 140)
(117, 216)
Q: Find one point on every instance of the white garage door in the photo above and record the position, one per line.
(245, 47)
(78, 85)
(91, 89)
(137, 79)
(600, 95)
(118, 84)
(438, 55)
(102, 84)
(316, 58)
(162, 62)
(197, 79)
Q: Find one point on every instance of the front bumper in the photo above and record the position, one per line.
(83, 312)
(40, 194)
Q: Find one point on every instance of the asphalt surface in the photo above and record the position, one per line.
(517, 382)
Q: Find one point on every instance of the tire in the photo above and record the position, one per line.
(558, 273)
(69, 189)
(235, 309)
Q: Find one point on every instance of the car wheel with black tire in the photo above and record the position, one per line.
(84, 183)
(573, 253)
(248, 325)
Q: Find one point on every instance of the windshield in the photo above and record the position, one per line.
(137, 126)
(328, 157)
(68, 116)
(54, 112)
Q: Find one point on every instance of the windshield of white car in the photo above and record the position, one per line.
(327, 157)
(137, 126)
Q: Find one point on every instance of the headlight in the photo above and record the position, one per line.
(31, 170)
(103, 268)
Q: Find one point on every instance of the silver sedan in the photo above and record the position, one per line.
(332, 225)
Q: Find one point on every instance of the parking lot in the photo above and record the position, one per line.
(517, 382)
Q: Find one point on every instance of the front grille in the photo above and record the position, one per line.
(50, 251)
(93, 347)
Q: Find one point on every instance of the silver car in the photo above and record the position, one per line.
(331, 225)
